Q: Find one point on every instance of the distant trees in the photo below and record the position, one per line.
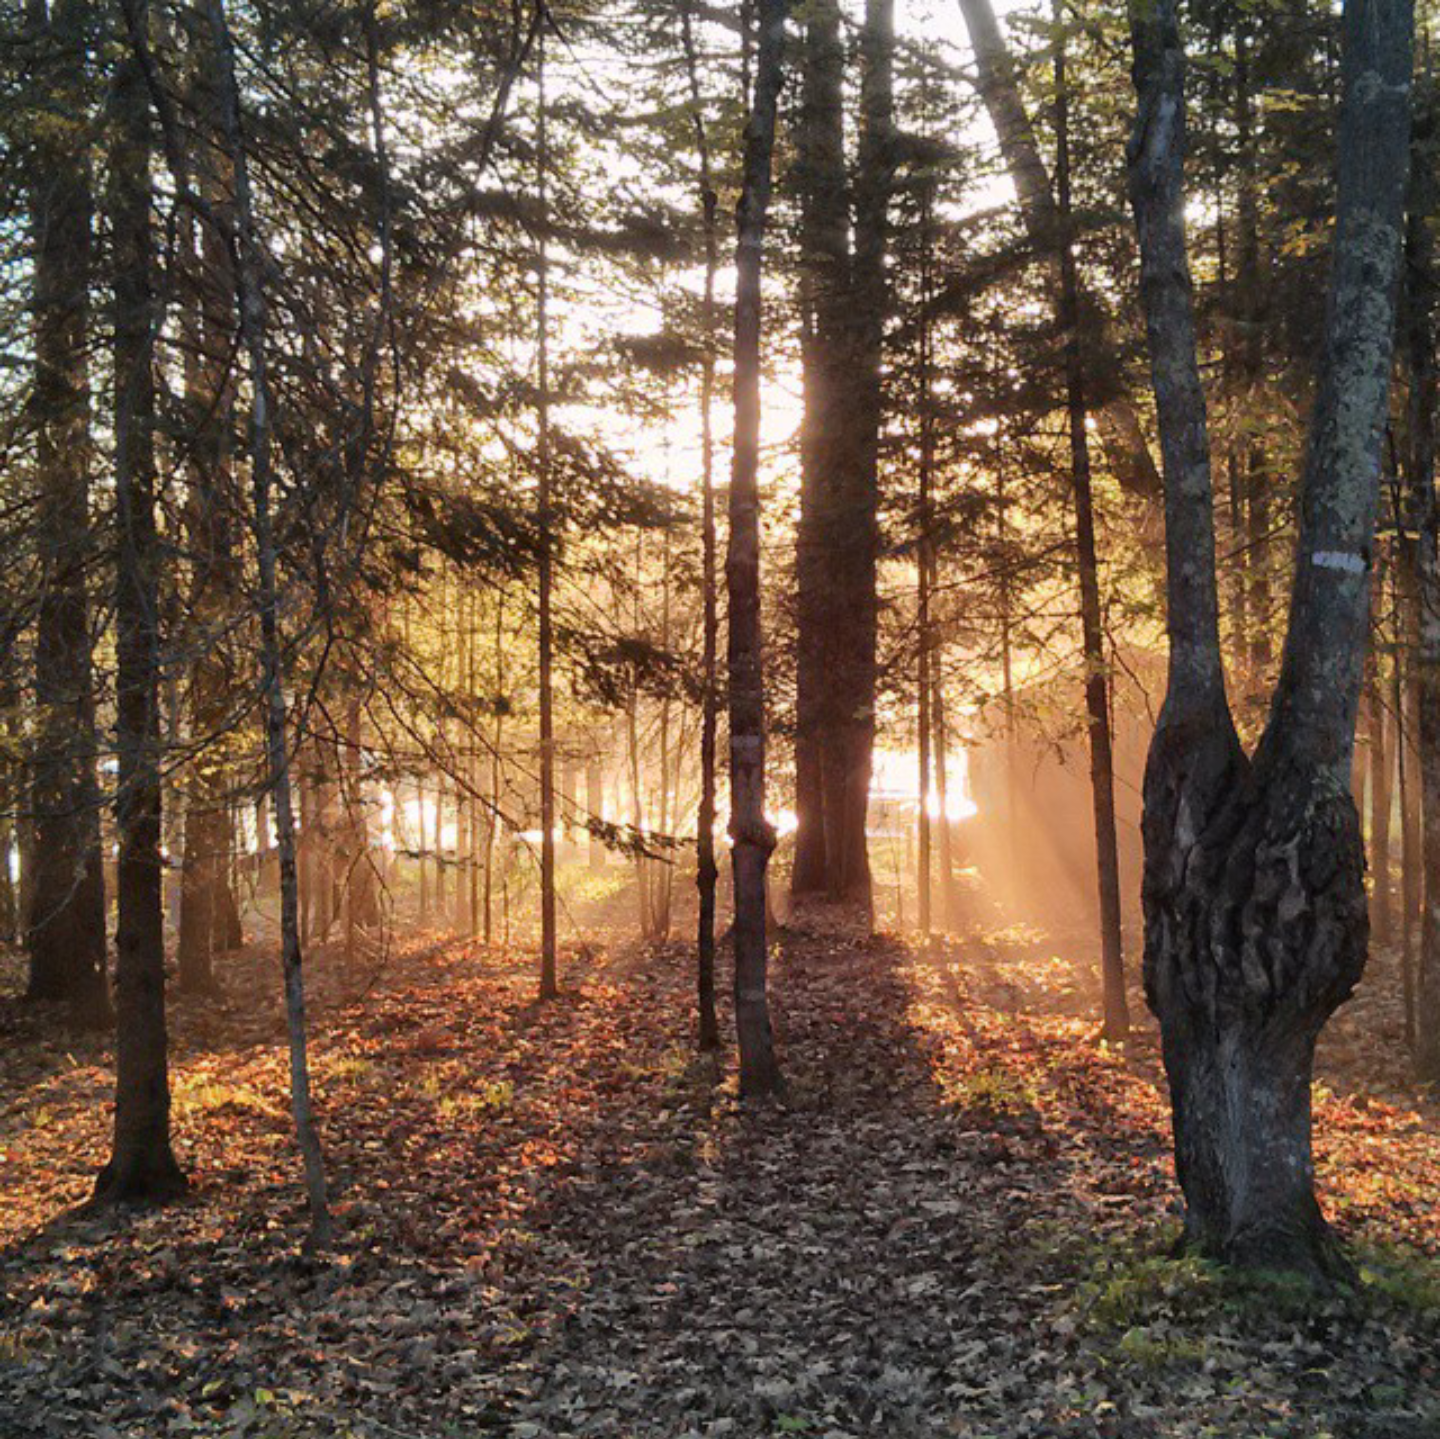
(1255, 914)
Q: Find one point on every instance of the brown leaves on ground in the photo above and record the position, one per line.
(558, 1221)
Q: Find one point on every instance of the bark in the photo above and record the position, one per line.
(142, 1164)
(64, 908)
(1254, 895)
(1097, 689)
(252, 311)
(998, 85)
(751, 833)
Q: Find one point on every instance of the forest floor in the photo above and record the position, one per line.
(559, 1221)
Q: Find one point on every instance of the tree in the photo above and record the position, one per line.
(251, 311)
(1255, 923)
(65, 919)
(142, 1165)
(549, 982)
(1050, 225)
(752, 834)
(706, 870)
(206, 900)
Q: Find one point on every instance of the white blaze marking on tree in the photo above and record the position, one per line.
(1350, 564)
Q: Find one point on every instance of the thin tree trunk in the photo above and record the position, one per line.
(751, 833)
(142, 1164)
(250, 303)
(549, 980)
(1255, 478)
(949, 906)
(924, 566)
(1378, 724)
(706, 870)
(855, 676)
(204, 894)
(1097, 689)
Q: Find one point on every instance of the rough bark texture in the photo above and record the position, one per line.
(1254, 897)
(64, 909)
(751, 833)
(142, 1164)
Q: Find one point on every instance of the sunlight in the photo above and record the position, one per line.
(895, 780)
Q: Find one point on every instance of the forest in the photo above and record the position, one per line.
(719, 718)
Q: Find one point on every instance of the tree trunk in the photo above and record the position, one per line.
(751, 833)
(64, 912)
(1381, 800)
(1097, 689)
(142, 1164)
(549, 979)
(824, 446)
(706, 870)
(210, 400)
(250, 303)
(949, 901)
(925, 567)
(853, 669)
(1254, 896)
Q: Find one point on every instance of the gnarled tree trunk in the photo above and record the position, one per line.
(1255, 920)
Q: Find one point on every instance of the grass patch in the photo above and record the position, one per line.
(492, 1098)
(200, 1095)
(993, 1090)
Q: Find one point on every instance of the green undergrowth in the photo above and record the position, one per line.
(1144, 1306)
